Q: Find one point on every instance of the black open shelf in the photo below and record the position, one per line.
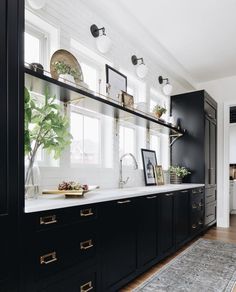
(88, 100)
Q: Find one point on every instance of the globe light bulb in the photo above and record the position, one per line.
(103, 43)
(142, 70)
(167, 89)
(37, 4)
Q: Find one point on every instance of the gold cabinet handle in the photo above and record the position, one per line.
(48, 258)
(200, 222)
(86, 287)
(86, 244)
(86, 212)
(151, 197)
(201, 205)
(46, 220)
(194, 206)
(194, 226)
(124, 202)
(169, 195)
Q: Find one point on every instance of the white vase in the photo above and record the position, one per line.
(32, 180)
(67, 78)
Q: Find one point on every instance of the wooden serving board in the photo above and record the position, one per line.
(58, 192)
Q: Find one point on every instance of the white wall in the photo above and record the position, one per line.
(73, 20)
(224, 92)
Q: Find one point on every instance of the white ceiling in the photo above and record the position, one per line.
(200, 35)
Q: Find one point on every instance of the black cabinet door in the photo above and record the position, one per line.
(166, 223)
(210, 152)
(118, 240)
(147, 230)
(213, 153)
(181, 217)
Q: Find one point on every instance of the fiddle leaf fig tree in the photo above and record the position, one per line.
(45, 126)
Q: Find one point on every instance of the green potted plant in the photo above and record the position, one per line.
(177, 173)
(158, 111)
(65, 71)
(45, 127)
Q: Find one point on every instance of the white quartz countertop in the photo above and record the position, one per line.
(50, 202)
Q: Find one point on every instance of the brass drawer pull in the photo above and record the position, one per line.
(48, 258)
(201, 205)
(200, 222)
(46, 220)
(124, 202)
(194, 226)
(86, 287)
(194, 206)
(152, 197)
(169, 195)
(86, 212)
(86, 244)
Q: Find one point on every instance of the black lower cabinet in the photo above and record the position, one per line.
(147, 233)
(166, 223)
(118, 241)
(102, 247)
(182, 216)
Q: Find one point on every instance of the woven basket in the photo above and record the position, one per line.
(174, 179)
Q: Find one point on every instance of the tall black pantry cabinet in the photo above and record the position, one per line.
(196, 150)
(11, 84)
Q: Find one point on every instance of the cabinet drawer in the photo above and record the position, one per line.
(197, 224)
(210, 111)
(50, 219)
(210, 195)
(83, 282)
(62, 248)
(210, 213)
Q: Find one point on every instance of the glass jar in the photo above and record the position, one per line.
(32, 179)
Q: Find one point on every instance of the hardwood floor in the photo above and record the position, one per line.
(215, 233)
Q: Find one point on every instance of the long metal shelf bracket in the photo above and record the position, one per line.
(175, 138)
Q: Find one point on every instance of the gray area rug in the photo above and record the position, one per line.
(207, 265)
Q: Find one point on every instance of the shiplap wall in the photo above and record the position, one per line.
(73, 20)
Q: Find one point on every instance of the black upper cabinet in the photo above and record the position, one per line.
(11, 22)
(147, 230)
(118, 240)
(197, 149)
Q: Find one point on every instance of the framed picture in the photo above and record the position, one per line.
(127, 99)
(117, 82)
(159, 175)
(149, 164)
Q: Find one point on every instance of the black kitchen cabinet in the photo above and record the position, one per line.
(166, 223)
(181, 217)
(197, 149)
(118, 241)
(147, 234)
(11, 19)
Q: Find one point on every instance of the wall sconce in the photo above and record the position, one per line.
(103, 42)
(37, 4)
(141, 69)
(167, 88)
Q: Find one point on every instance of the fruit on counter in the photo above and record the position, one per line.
(71, 185)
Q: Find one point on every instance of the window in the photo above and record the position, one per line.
(34, 47)
(157, 98)
(135, 87)
(85, 148)
(90, 76)
(127, 142)
(155, 144)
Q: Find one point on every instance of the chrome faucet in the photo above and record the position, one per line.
(121, 181)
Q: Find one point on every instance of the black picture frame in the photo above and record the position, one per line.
(117, 82)
(149, 164)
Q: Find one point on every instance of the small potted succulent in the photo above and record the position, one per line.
(158, 111)
(177, 173)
